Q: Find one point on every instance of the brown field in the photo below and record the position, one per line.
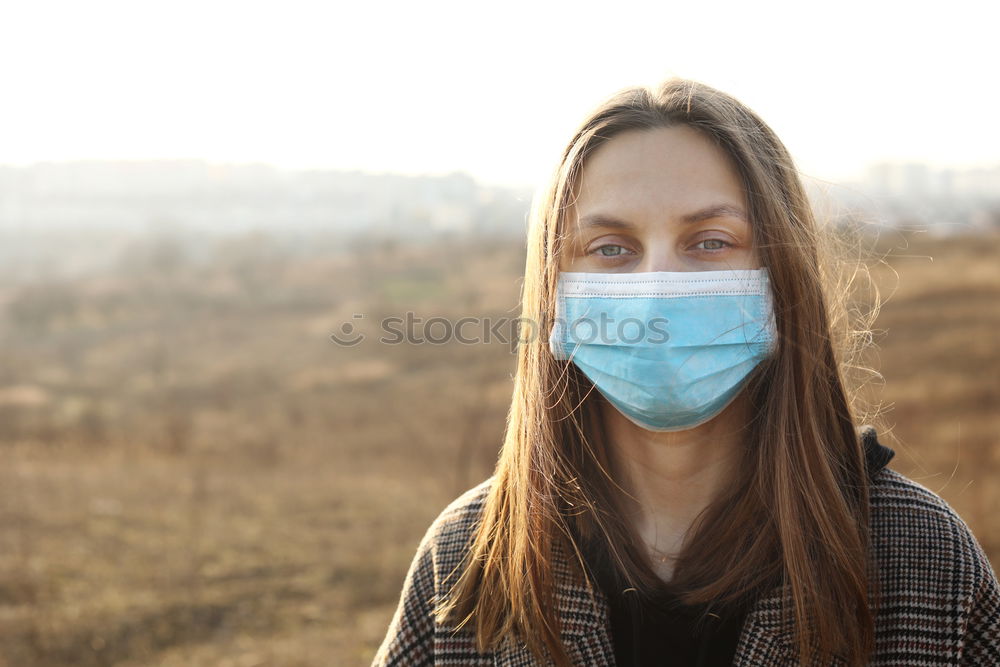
(194, 474)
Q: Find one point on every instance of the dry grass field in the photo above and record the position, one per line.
(194, 474)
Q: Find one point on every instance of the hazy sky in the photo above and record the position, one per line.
(494, 89)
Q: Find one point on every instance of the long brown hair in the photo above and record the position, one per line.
(798, 517)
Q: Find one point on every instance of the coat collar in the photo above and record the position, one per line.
(585, 616)
(764, 639)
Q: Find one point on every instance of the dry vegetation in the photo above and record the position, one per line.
(193, 474)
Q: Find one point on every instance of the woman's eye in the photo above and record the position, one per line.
(712, 244)
(611, 250)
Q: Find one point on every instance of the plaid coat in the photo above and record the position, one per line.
(941, 603)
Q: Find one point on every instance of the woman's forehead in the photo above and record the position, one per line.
(676, 169)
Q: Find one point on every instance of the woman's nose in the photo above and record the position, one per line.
(660, 257)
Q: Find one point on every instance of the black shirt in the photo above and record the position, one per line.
(661, 631)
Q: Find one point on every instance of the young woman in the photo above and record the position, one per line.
(682, 479)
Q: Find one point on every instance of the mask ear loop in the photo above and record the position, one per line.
(772, 319)
(558, 334)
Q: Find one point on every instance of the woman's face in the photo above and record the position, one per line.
(666, 199)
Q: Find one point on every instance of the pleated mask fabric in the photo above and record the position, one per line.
(670, 350)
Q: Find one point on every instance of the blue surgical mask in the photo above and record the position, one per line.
(670, 350)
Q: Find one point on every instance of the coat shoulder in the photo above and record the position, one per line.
(456, 522)
(449, 536)
(414, 636)
(901, 504)
(908, 515)
(468, 506)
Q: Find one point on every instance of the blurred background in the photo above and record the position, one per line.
(196, 197)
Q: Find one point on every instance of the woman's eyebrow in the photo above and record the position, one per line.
(602, 220)
(716, 211)
(707, 213)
